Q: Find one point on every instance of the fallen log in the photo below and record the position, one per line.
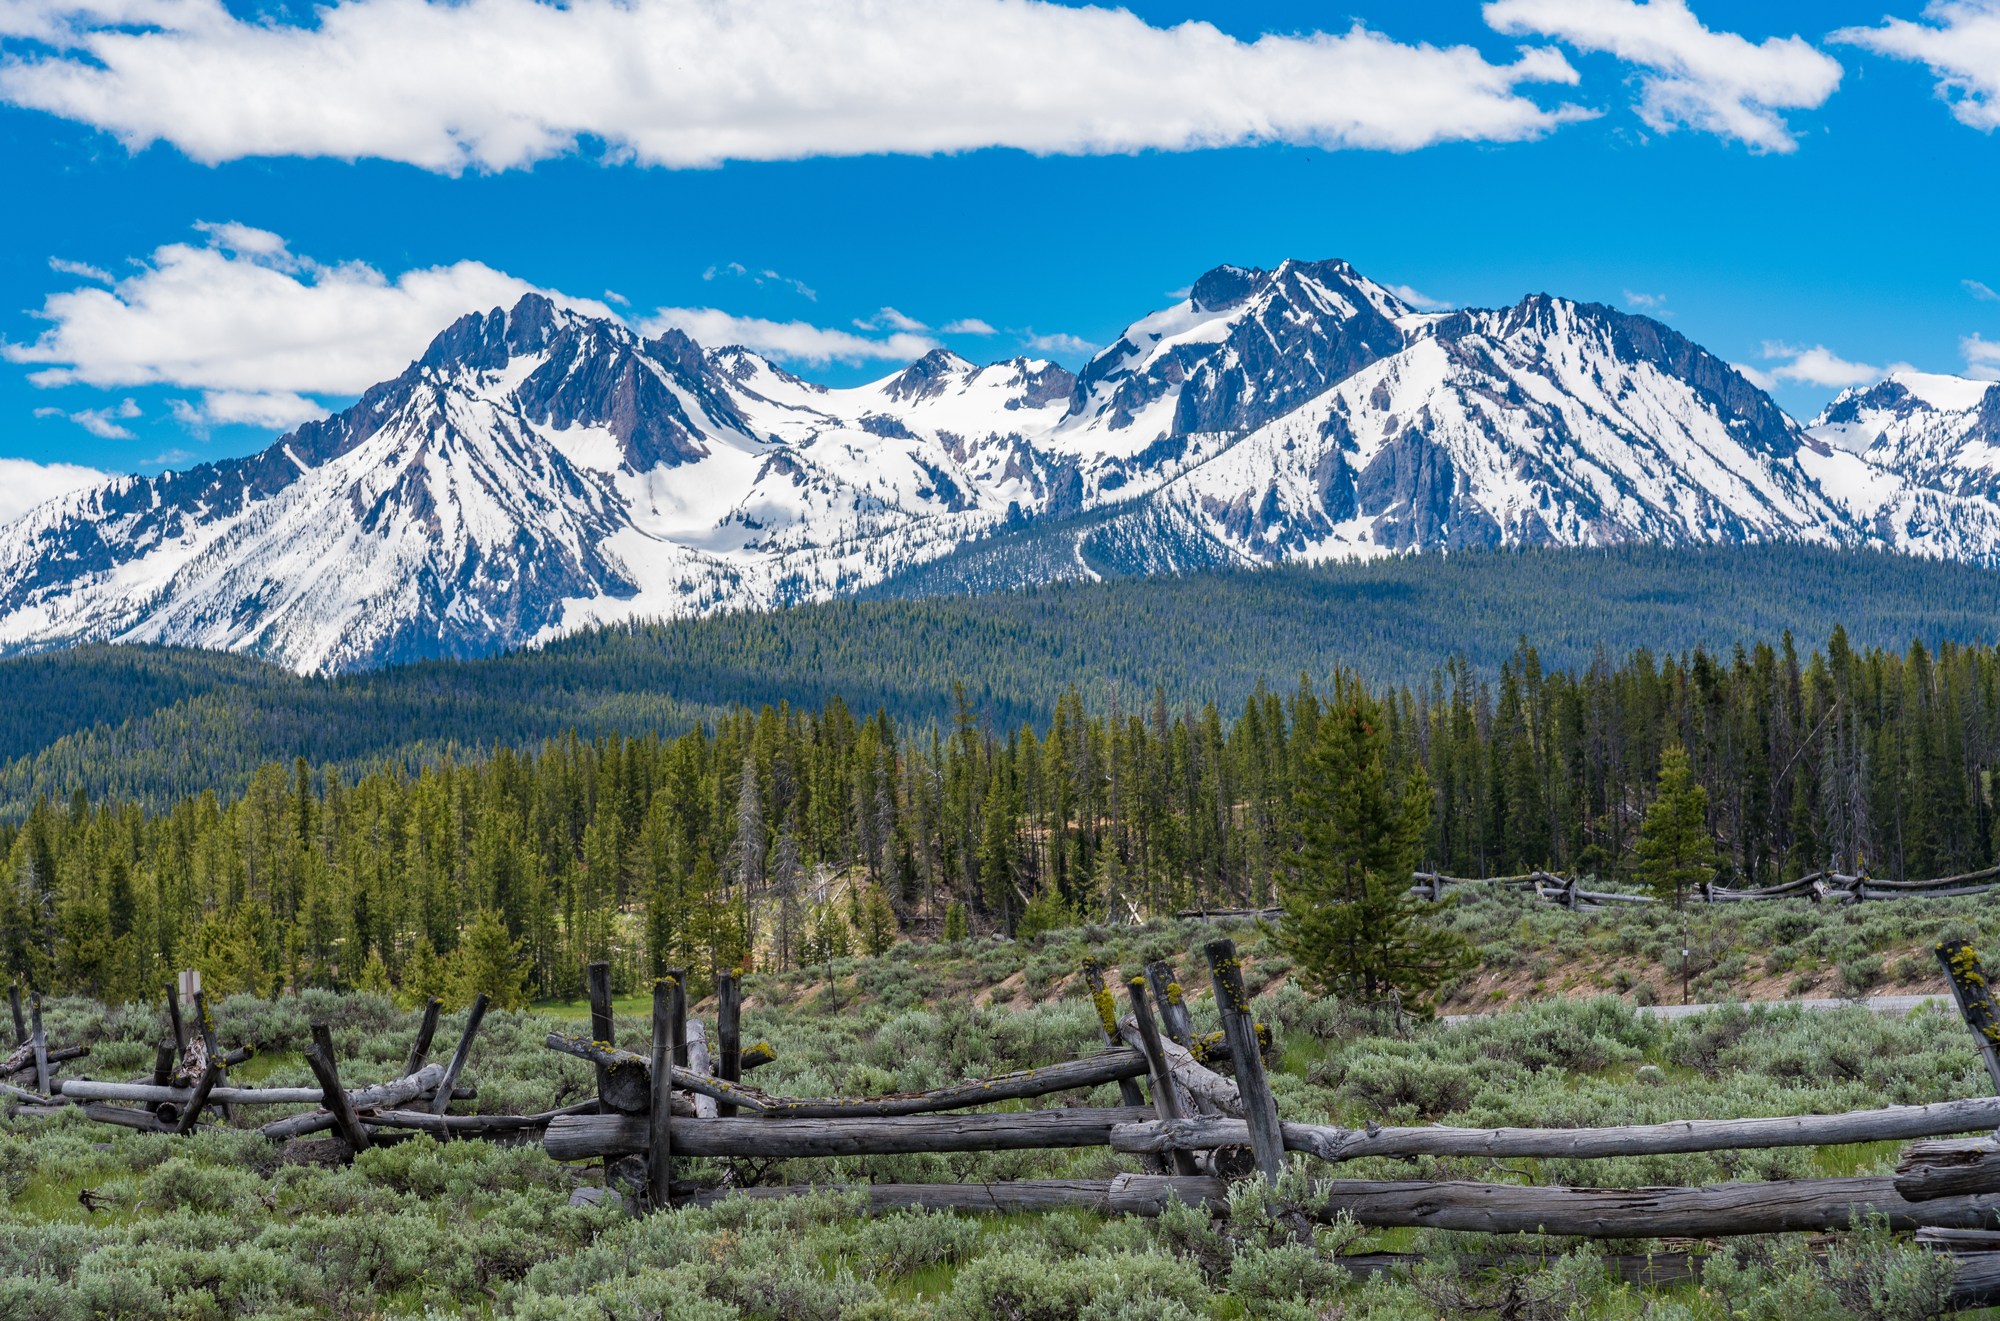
(1930, 1170)
(27, 1097)
(758, 1055)
(22, 1060)
(1208, 1089)
(1689, 1135)
(699, 1062)
(423, 1121)
(1127, 1194)
(1721, 1210)
(379, 1095)
(586, 1137)
(1090, 1071)
(127, 1117)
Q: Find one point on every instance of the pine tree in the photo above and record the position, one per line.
(489, 960)
(1676, 851)
(957, 927)
(1350, 922)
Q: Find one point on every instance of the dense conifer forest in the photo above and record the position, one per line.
(789, 835)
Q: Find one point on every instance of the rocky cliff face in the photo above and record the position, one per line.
(537, 470)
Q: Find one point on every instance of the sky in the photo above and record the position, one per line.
(223, 220)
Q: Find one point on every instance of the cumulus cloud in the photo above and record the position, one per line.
(1819, 365)
(104, 423)
(793, 341)
(498, 84)
(1060, 344)
(1982, 357)
(25, 484)
(1715, 82)
(255, 326)
(970, 325)
(1960, 42)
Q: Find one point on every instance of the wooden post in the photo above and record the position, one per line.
(1260, 1109)
(728, 1034)
(206, 1026)
(420, 1049)
(210, 1076)
(41, 1043)
(678, 1037)
(597, 985)
(14, 1003)
(1166, 1102)
(1975, 1000)
(164, 1060)
(319, 1058)
(659, 1121)
(1172, 1001)
(441, 1099)
(174, 1017)
(1107, 1022)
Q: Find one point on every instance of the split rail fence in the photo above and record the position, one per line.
(1196, 1112)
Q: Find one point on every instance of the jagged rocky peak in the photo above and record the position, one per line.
(487, 341)
(930, 375)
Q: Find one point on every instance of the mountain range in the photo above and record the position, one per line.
(538, 470)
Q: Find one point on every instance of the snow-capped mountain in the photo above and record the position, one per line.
(538, 470)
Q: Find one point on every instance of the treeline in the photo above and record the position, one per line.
(159, 725)
(786, 837)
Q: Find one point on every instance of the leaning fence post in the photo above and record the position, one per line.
(174, 1018)
(210, 1075)
(41, 1041)
(1239, 1029)
(678, 1037)
(1107, 1022)
(660, 1159)
(1166, 1103)
(1975, 1000)
(420, 1049)
(728, 1035)
(441, 1099)
(14, 1003)
(319, 1058)
(211, 1050)
(597, 984)
(1167, 994)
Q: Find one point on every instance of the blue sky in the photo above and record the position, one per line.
(220, 221)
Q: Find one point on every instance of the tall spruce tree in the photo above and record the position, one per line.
(1350, 923)
(1676, 851)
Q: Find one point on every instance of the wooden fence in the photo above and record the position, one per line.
(1195, 1114)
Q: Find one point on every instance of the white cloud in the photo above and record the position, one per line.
(1982, 357)
(498, 84)
(279, 410)
(1645, 302)
(1819, 365)
(1060, 343)
(81, 269)
(257, 326)
(970, 325)
(1960, 42)
(760, 278)
(1715, 82)
(104, 423)
(1421, 301)
(25, 484)
(1761, 379)
(1983, 292)
(793, 341)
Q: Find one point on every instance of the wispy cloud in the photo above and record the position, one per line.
(1821, 366)
(760, 278)
(452, 85)
(1694, 77)
(970, 325)
(104, 423)
(792, 341)
(889, 318)
(1959, 40)
(255, 326)
(1982, 292)
(1652, 304)
(1060, 344)
(82, 270)
(1982, 357)
(1421, 301)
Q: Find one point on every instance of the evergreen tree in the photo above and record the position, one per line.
(1676, 851)
(1350, 923)
(489, 960)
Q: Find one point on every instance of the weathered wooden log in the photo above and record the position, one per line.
(1721, 1210)
(1126, 1194)
(1959, 1241)
(1166, 1096)
(728, 1033)
(700, 1064)
(389, 1093)
(1688, 1135)
(1091, 1071)
(31, 1098)
(1107, 1026)
(174, 1019)
(659, 1121)
(1977, 1283)
(757, 1056)
(586, 1137)
(441, 1100)
(1974, 994)
(1260, 1108)
(126, 1116)
(1209, 1090)
(191, 1113)
(39, 1039)
(678, 981)
(319, 1058)
(597, 985)
(23, 1058)
(20, 1023)
(163, 1063)
(420, 1049)
(423, 1121)
(1172, 1000)
(211, 1051)
(1930, 1170)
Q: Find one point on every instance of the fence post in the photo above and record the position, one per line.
(441, 1099)
(319, 1058)
(41, 1042)
(678, 1036)
(728, 1035)
(1167, 994)
(1166, 1102)
(180, 1027)
(597, 985)
(1975, 1000)
(420, 1049)
(659, 1117)
(1107, 1023)
(206, 1026)
(14, 1003)
(1267, 1140)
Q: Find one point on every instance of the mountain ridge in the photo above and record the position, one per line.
(538, 470)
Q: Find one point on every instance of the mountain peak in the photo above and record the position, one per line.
(927, 376)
